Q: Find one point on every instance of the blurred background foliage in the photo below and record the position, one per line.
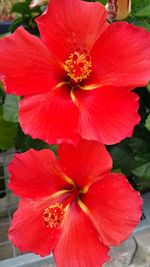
(131, 156)
(26, 16)
(6, 9)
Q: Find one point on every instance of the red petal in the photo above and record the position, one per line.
(61, 30)
(26, 65)
(35, 174)
(85, 161)
(79, 244)
(115, 208)
(107, 114)
(51, 117)
(121, 56)
(28, 231)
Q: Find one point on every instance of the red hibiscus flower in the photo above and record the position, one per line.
(77, 77)
(73, 205)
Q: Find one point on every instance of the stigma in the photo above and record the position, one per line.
(54, 215)
(79, 65)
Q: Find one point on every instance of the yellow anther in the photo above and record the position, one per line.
(79, 65)
(54, 215)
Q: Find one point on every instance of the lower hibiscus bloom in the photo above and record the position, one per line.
(73, 206)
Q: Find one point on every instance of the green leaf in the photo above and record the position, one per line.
(10, 108)
(7, 132)
(142, 23)
(15, 24)
(143, 171)
(102, 1)
(117, 171)
(138, 145)
(21, 7)
(144, 12)
(148, 87)
(24, 142)
(138, 5)
(142, 184)
(147, 123)
(123, 158)
(43, 8)
(143, 166)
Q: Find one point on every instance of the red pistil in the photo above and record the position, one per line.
(74, 194)
(54, 215)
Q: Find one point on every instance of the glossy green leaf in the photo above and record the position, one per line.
(21, 7)
(148, 87)
(123, 158)
(10, 108)
(147, 123)
(7, 132)
(138, 5)
(143, 12)
(143, 166)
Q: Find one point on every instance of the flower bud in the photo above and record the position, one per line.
(118, 9)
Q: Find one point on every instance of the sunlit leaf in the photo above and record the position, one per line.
(10, 108)
(7, 132)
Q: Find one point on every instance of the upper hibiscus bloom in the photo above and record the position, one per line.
(77, 77)
(73, 205)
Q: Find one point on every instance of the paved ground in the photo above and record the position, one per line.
(134, 252)
(142, 256)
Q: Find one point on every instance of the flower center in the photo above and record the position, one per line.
(79, 65)
(54, 215)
